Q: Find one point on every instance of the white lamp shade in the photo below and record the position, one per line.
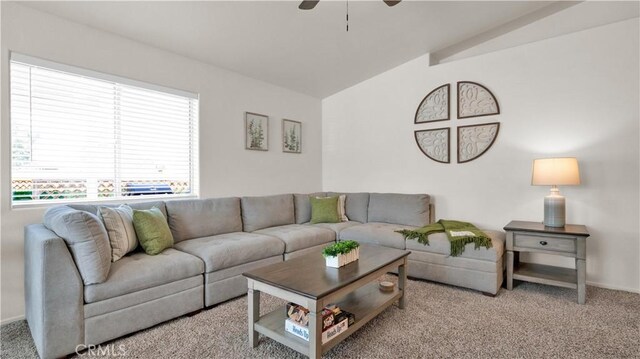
(555, 172)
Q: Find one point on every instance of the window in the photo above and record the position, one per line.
(79, 135)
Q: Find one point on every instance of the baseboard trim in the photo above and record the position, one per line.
(614, 287)
(11, 320)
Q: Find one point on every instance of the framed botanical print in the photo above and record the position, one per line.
(256, 129)
(291, 136)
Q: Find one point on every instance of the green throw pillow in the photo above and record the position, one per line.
(324, 210)
(152, 230)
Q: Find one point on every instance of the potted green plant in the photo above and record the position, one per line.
(341, 253)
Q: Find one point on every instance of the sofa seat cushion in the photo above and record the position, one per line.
(439, 243)
(231, 249)
(336, 227)
(140, 271)
(381, 234)
(298, 236)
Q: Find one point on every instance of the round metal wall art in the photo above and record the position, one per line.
(473, 100)
(434, 143)
(435, 106)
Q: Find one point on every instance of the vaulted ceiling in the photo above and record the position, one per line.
(306, 51)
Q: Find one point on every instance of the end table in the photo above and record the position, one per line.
(534, 237)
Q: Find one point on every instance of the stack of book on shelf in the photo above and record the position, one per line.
(334, 321)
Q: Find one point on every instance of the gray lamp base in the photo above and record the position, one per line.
(554, 209)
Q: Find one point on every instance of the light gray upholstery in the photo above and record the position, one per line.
(487, 282)
(142, 296)
(140, 271)
(382, 234)
(229, 283)
(231, 249)
(102, 328)
(303, 206)
(267, 211)
(356, 205)
(299, 236)
(87, 239)
(439, 243)
(53, 293)
(336, 227)
(315, 249)
(407, 209)
(195, 218)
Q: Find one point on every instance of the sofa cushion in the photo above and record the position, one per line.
(356, 205)
(119, 225)
(336, 227)
(324, 210)
(152, 230)
(232, 249)
(303, 206)
(382, 234)
(396, 208)
(194, 218)
(439, 243)
(267, 211)
(298, 236)
(87, 239)
(140, 271)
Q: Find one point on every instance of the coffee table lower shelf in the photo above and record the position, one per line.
(365, 303)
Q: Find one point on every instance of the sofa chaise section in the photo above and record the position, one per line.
(211, 229)
(275, 216)
(479, 269)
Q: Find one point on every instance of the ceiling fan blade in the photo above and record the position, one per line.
(391, 2)
(308, 4)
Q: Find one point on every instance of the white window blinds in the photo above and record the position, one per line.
(78, 135)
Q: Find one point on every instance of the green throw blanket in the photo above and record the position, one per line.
(459, 233)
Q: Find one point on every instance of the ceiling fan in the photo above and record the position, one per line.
(310, 4)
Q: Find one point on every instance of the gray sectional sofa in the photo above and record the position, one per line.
(216, 240)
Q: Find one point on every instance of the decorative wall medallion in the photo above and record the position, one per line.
(434, 143)
(434, 106)
(475, 140)
(475, 100)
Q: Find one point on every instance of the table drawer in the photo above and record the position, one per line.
(554, 244)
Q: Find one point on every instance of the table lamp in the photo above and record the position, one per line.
(555, 172)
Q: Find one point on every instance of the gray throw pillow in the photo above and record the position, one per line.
(119, 224)
(86, 238)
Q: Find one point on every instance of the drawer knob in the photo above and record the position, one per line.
(544, 243)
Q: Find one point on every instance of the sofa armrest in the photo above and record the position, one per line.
(53, 293)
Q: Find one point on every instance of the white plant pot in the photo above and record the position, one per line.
(342, 259)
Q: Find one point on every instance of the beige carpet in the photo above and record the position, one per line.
(532, 321)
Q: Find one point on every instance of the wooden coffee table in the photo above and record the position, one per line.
(306, 281)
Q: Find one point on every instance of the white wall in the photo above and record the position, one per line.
(575, 95)
(226, 168)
